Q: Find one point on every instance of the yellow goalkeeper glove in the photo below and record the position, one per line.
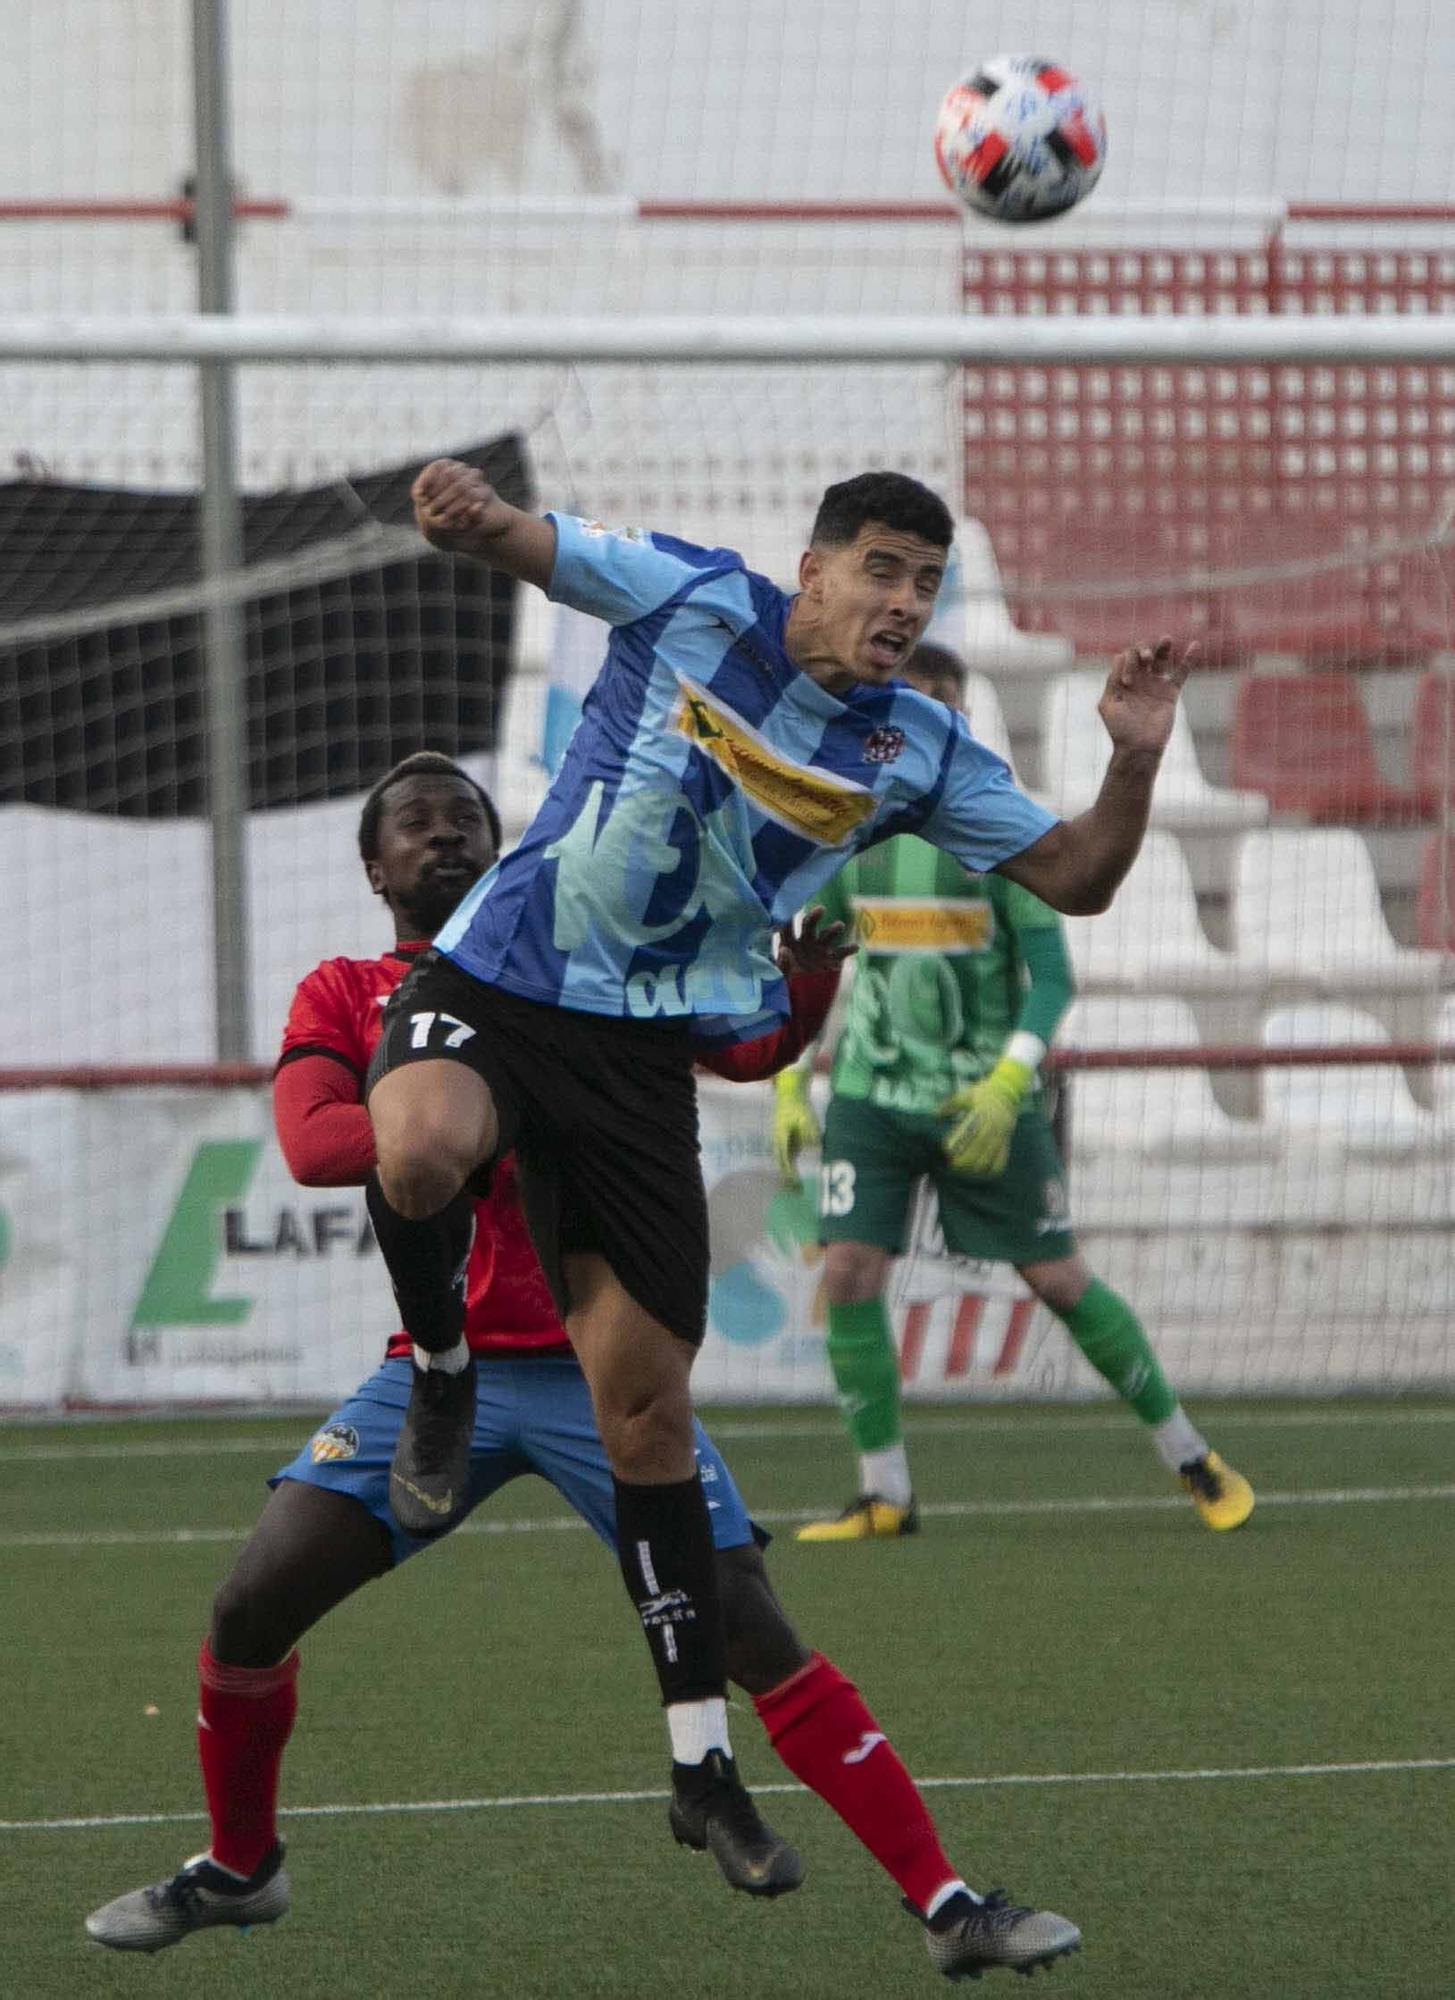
(794, 1125)
(984, 1117)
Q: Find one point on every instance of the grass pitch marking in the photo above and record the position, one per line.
(937, 1510)
(999, 1781)
(749, 1430)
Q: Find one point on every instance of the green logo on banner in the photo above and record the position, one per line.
(178, 1288)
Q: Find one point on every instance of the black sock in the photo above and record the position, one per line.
(426, 1265)
(664, 1544)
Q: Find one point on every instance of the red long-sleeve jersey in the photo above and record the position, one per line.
(327, 1140)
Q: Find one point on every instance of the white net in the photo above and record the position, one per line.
(1273, 1225)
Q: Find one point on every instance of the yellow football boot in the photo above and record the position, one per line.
(1222, 1497)
(867, 1519)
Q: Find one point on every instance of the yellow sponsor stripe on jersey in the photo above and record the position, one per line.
(890, 923)
(818, 804)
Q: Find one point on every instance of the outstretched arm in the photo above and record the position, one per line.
(457, 509)
(1079, 864)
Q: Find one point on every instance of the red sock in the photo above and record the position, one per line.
(244, 1719)
(818, 1724)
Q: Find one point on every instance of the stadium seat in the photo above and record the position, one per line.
(1104, 625)
(1359, 1108)
(1307, 915)
(1303, 740)
(1435, 906)
(1432, 740)
(1075, 749)
(1329, 616)
(1443, 1073)
(1149, 1111)
(1420, 605)
(985, 716)
(975, 619)
(1151, 939)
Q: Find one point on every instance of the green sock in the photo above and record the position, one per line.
(1111, 1337)
(866, 1372)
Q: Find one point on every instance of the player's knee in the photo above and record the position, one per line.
(246, 1629)
(762, 1647)
(417, 1185)
(853, 1273)
(427, 1142)
(423, 1164)
(648, 1433)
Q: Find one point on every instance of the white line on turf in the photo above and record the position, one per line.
(1005, 1780)
(1109, 1419)
(941, 1510)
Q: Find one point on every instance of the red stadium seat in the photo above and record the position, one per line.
(1104, 625)
(1435, 907)
(1432, 739)
(1304, 741)
(1326, 616)
(1419, 604)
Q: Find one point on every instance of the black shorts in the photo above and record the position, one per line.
(602, 1116)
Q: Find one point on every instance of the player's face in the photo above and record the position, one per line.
(434, 843)
(872, 599)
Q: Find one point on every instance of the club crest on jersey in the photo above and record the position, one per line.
(882, 746)
(334, 1442)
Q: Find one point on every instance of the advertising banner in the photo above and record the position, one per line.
(154, 1249)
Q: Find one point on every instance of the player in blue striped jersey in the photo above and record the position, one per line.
(738, 746)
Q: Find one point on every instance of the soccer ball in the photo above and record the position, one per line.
(1019, 140)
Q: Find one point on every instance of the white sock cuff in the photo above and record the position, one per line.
(1178, 1440)
(696, 1727)
(942, 1895)
(453, 1360)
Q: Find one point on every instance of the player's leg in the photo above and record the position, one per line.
(433, 1105)
(867, 1181)
(558, 1433)
(327, 1530)
(1021, 1217)
(638, 1378)
(1113, 1339)
(827, 1736)
(310, 1550)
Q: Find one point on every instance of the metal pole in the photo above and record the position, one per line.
(225, 706)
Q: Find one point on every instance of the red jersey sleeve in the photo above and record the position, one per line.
(810, 995)
(323, 1128)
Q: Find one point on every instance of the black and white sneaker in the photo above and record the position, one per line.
(199, 1896)
(967, 1938)
(712, 1812)
(430, 1475)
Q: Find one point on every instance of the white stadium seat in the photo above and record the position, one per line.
(986, 717)
(1075, 749)
(1151, 939)
(975, 620)
(1307, 914)
(1165, 1112)
(1359, 1108)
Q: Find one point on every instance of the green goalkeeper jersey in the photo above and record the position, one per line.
(949, 965)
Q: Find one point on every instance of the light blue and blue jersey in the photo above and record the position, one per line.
(710, 789)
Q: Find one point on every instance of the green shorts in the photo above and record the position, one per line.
(873, 1159)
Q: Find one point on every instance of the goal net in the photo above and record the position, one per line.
(1252, 1098)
